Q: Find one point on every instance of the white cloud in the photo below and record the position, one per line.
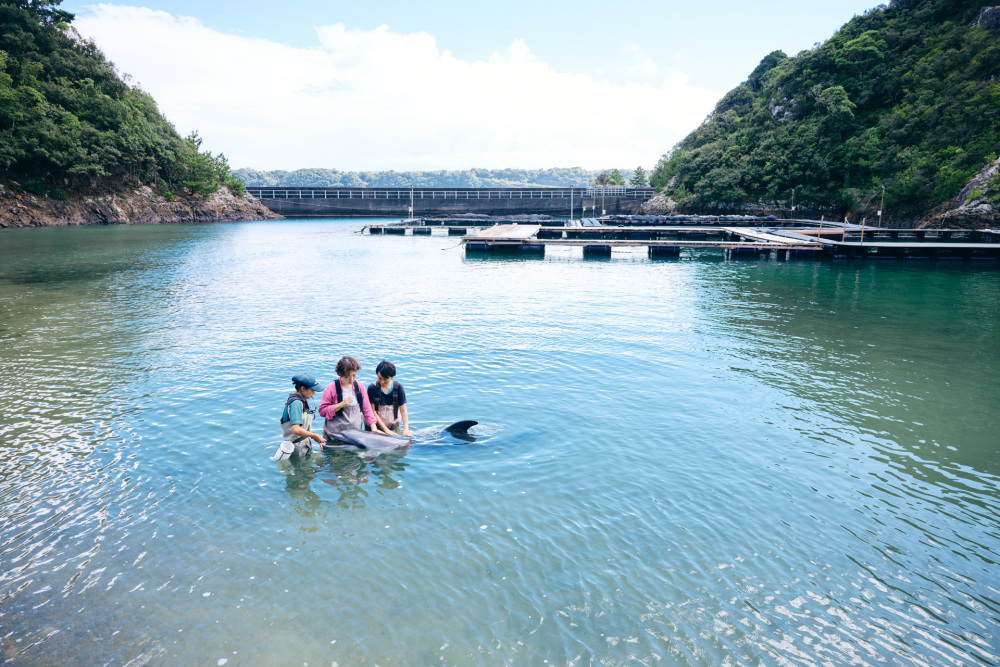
(383, 100)
(631, 65)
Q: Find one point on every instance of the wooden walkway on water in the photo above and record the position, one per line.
(808, 240)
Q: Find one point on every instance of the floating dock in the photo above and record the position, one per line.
(801, 239)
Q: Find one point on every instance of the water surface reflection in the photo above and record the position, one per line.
(689, 462)
(354, 474)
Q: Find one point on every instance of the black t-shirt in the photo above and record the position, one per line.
(377, 398)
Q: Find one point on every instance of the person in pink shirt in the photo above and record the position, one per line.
(345, 403)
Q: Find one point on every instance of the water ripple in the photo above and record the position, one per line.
(688, 462)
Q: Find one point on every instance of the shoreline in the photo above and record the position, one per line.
(136, 206)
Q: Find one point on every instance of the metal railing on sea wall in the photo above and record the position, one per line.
(402, 194)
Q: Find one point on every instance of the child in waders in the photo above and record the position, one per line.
(297, 418)
(389, 400)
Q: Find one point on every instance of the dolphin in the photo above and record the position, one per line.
(367, 440)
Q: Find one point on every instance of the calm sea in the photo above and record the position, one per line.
(681, 462)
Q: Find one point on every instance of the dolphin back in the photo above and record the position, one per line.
(367, 440)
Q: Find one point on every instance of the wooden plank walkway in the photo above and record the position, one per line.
(504, 232)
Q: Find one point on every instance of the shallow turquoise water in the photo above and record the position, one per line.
(680, 462)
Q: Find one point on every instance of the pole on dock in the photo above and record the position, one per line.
(571, 204)
(843, 234)
(880, 208)
(863, 229)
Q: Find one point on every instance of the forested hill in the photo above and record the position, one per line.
(465, 178)
(68, 122)
(906, 96)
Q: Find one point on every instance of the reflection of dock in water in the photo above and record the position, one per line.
(784, 240)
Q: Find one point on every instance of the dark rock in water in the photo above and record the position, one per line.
(652, 220)
(530, 217)
(480, 218)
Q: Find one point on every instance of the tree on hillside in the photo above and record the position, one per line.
(616, 178)
(838, 107)
(602, 179)
(638, 178)
(863, 53)
(770, 61)
(44, 11)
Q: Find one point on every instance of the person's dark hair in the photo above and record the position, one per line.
(385, 369)
(346, 365)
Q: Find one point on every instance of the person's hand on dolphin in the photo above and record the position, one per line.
(407, 433)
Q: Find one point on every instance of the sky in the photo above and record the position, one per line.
(381, 85)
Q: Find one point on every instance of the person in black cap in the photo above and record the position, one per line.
(297, 418)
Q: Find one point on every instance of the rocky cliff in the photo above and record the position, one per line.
(977, 206)
(138, 206)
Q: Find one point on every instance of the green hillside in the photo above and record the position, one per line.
(464, 178)
(69, 122)
(906, 96)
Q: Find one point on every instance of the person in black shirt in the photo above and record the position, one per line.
(389, 400)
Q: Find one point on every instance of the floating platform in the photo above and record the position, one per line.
(806, 241)
(619, 221)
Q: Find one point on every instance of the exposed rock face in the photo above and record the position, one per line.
(138, 206)
(988, 17)
(972, 209)
(659, 205)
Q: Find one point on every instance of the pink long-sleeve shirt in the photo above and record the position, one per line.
(326, 410)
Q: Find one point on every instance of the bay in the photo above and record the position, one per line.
(691, 461)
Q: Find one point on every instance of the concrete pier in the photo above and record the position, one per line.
(396, 202)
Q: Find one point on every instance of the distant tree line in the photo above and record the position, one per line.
(69, 121)
(906, 96)
(467, 178)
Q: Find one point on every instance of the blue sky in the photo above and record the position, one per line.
(596, 61)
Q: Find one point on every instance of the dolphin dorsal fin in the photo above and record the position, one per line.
(460, 428)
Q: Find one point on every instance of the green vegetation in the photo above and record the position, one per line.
(69, 121)
(469, 178)
(905, 96)
(614, 177)
(639, 178)
(993, 189)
